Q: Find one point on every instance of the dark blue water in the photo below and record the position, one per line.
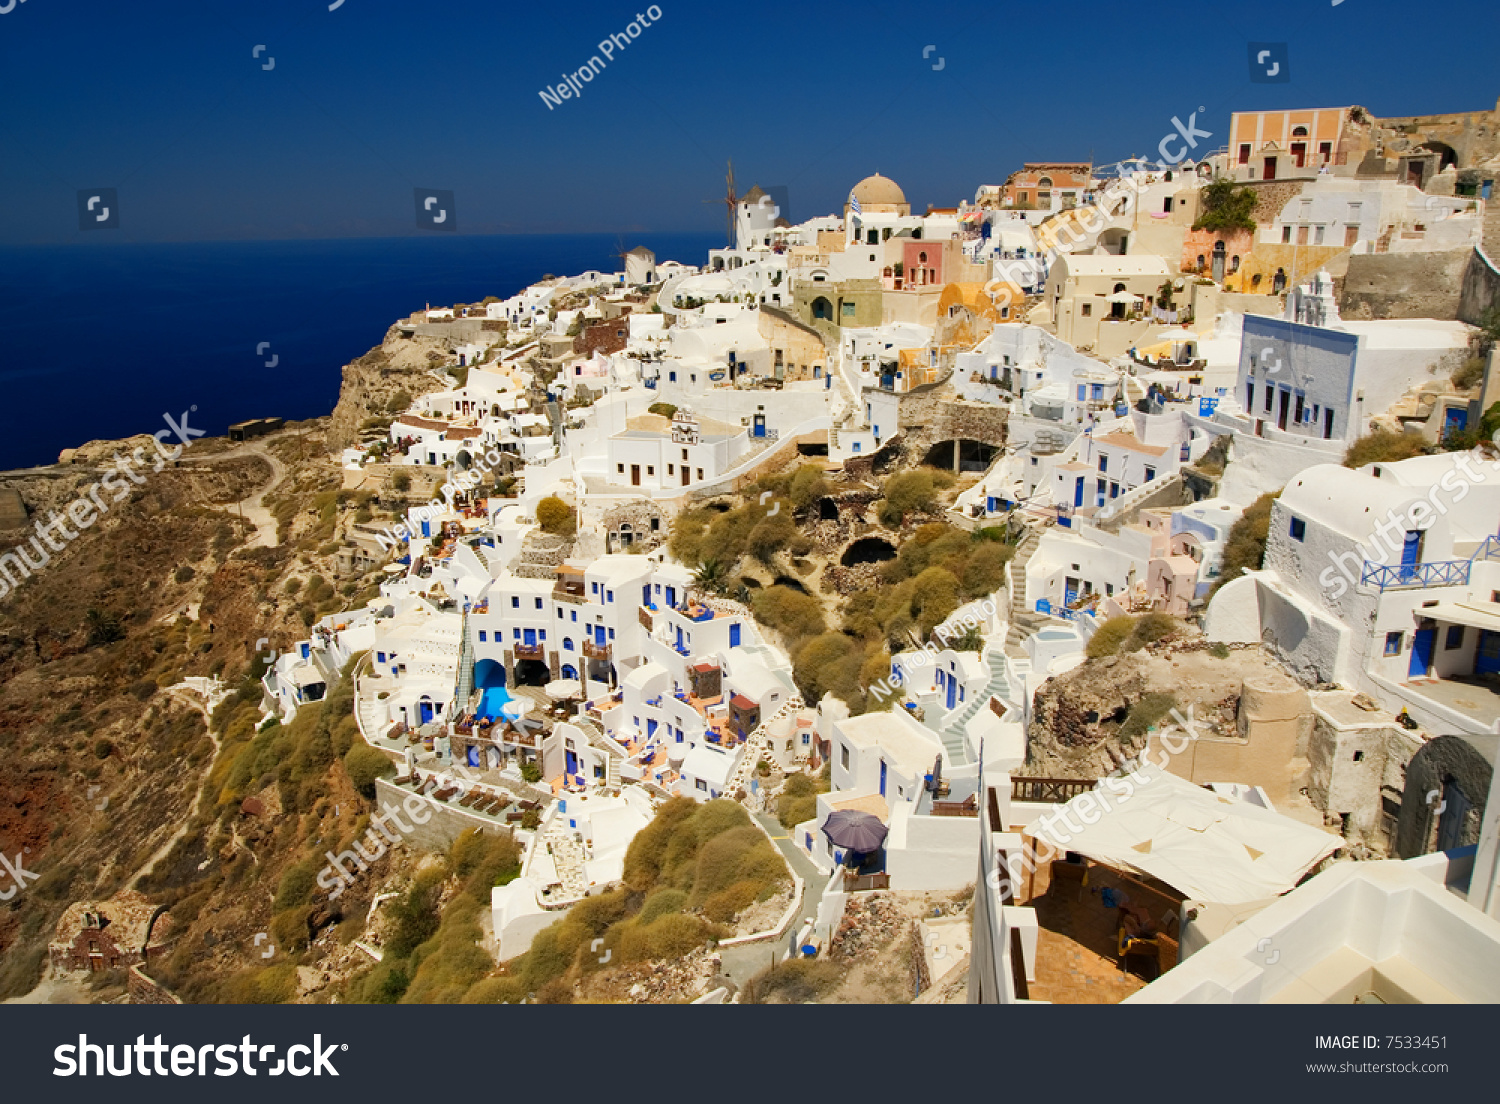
(100, 342)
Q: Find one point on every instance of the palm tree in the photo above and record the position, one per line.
(712, 576)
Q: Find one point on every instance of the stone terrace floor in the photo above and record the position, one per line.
(1076, 946)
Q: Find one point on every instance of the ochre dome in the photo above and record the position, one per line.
(879, 189)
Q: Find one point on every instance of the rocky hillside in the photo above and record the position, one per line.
(381, 384)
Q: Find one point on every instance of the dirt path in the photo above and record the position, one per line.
(188, 698)
(252, 507)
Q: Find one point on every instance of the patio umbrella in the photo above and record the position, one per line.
(855, 831)
(562, 689)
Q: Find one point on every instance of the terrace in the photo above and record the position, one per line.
(1081, 932)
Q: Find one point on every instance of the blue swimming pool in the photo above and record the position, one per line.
(491, 703)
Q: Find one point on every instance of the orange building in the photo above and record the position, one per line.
(1282, 145)
(1047, 185)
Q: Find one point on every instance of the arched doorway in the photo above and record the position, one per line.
(487, 673)
(532, 672)
(568, 671)
(822, 308)
(1219, 254)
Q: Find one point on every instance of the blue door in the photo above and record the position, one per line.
(1421, 653)
(734, 635)
(1078, 493)
(1456, 420)
(646, 595)
(672, 597)
(1411, 554)
(1070, 592)
(572, 767)
(952, 701)
(473, 757)
(882, 778)
(760, 426)
(679, 638)
(530, 637)
(1487, 654)
(424, 710)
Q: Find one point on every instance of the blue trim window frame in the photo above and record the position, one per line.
(1455, 638)
(1298, 529)
(483, 636)
(1393, 642)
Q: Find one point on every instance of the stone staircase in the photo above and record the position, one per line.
(952, 734)
(465, 685)
(567, 857)
(1023, 621)
(758, 744)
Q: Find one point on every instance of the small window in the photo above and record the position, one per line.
(1455, 638)
(483, 636)
(515, 603)
(1088, 310)
(1298, 529)
(1359, 757)
(1150, 472)
(1393, 641)
(844, 756)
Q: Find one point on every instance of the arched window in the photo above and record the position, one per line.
(1234, 263)
(1044, 182)
(1255, 280)
(1121, 287)
(1299, 132)
(822, 308)
(567, 643)
(1200, 260)
(922, 258)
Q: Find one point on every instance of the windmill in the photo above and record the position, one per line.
(730, 201)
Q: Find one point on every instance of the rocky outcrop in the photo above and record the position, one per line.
(399, 365)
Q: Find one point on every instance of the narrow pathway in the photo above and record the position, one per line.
(743, 962)
(189, 698)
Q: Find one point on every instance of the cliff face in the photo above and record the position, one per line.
(399, 365)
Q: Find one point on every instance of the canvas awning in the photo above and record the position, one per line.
(1206, 846)
(1480, 615)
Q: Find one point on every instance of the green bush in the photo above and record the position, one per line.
(554, 515)
(1384, 447)
(1148, 710)
(905, 493)
(1109, 637)
(364, 765)
(1245, 548)
(665, 409)
(1151, 627)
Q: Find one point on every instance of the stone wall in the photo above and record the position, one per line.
(1480, 291)
(1404, 285)
(445, 825)
(146, 990)
(1436, 763)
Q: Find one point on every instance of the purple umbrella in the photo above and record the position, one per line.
(855, 831)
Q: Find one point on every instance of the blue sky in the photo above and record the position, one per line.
(165, 102)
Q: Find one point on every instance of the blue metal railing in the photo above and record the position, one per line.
(1437, 573)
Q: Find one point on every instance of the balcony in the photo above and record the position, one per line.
(530, 651)
(644, 616)
(1049, 791)
(596, 651)
(1385, 577)
(569, 592)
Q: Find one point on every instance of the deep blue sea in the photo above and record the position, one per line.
(100, 341)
